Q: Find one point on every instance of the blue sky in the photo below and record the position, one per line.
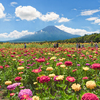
(22, 17)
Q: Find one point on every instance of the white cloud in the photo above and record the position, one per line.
(95, 19)
(89, 12)
(15, 34)
(13, 3)
(1, 11)
(75, 31)
(50, 16)
(27, 13)
(62, 19)
(91, 18)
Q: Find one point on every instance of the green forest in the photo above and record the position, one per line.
(95, 37)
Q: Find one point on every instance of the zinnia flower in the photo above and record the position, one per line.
(70, 79)
(8, 82)
(96, 66)
(59, 63)
(49, 69)
(90, 84)
(35, 98)
(24, 97)
(11, 94)
(20, 68)
(60, 77)
(85, 68)
(76, 87)
(51, 75)
(18, 79)
(37, 70)
(68, 63)
(13, 86)
(84, 78)
(89, 96)
(44, 79)
(24, 91)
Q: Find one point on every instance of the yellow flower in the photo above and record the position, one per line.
(49, 68)
(63, 66)
(20, 68)
(17, 56)
(65, 52)
(63, 58)
(14, 59)
(51, 75)
(76, 87)
(8, 82)
(52, 58)
(35, 98)
(90, 84)
(60, 59)
(60, 77)
(85, 68)
(35, 83)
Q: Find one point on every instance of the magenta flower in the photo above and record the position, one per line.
(89, 96)
(58, 64)
(84, 78)
(37, 70)
(25, 91)
(68, 63)
(44, 79)
(70, 79)
(96, 66)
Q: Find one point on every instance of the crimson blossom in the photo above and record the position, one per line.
(18, 79)
(70, 79)
(68, 63)
(89, 96)
(96, 66)
(37, 70)
(44, 79)
(40, 60)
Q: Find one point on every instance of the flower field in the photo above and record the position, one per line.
(41, 72)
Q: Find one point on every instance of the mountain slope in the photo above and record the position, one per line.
(50, 33)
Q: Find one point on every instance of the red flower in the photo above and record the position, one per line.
(70, 79)
(1, 67)
(18, 79)
(89, 96)
(68, 63)
(96, 66)
(11, 94)
(36, 70)
(44, 79)
(40, 60)
(84, 78)
(24, 97)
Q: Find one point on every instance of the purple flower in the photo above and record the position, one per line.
(87, 64)
(13, 86)
(25, 91)
(78, 64)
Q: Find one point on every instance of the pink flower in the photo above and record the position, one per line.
(18, 79)
(44, 79)
(89, 96)
(11, 94)
(36, 70)
(70, 79)
(40, 60)
(58, 64)
(84, 78)
(1, 67)
(27, 92)
(68, 63)
(74, 70)
(96, 66)
(24, 97)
